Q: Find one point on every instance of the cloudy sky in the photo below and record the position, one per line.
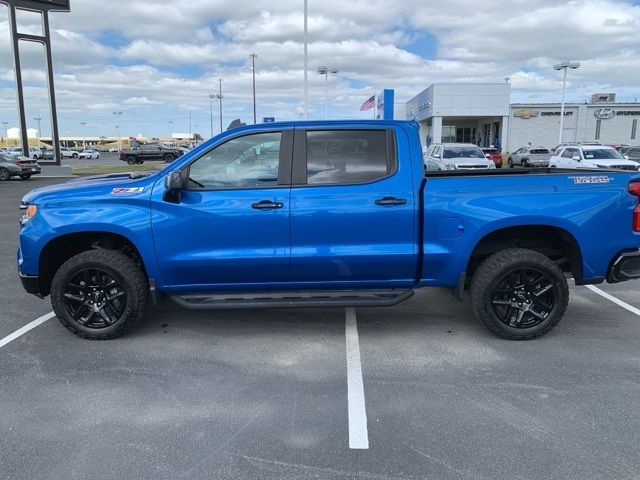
(158, 60)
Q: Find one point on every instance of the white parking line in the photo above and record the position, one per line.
(358, 434)
(615, 300)
(26, 328)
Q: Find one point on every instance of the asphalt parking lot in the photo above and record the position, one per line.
(260, 394)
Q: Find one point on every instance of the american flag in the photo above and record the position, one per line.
(368, 104)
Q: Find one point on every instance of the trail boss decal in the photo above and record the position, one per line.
(126, 190)
(596, 179)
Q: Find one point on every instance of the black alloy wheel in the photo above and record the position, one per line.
(94, 298)
(519, 294)
(4, 174)
(25, 176)
(510, 162)
(524, 298)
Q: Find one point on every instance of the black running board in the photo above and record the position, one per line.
(319, 298)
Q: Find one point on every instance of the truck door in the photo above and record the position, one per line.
(230, 227)
(353, 211)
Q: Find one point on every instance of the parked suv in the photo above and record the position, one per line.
(150, 151)
(530, 157)
(592, 156)
(455, 156)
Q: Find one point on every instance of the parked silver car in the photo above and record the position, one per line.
(22, 167)
(530, 157)
(455, 156)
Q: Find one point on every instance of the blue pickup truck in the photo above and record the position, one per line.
(336, 213)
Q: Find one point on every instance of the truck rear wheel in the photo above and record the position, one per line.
(168, 158)
(99, 294)
(519, 294)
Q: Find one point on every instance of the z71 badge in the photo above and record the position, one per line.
(126, 190)
(596, 179)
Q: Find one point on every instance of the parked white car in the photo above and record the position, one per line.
(68, 153)
(34, 152)
(456, 156)
(89, 153)
(591, 156)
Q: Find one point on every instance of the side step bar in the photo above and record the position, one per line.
(313, 298)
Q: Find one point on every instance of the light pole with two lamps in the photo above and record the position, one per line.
(117, 115)
(38, 119)
(84, 141)
(565, 65)
(324, 70)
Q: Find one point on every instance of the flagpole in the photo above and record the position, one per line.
(375, 105)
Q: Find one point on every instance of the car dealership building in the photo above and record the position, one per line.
(483, 114)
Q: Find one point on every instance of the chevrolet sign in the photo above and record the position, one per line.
(525, 113)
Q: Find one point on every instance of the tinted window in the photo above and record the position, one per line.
(539, 151)
(463, 152)
(242, 162)
(569, 153)
(353, 156)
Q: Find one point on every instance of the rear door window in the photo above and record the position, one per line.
(347, 157)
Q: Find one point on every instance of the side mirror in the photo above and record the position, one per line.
(173, 181)
(626, 157)
(576, 158)
(436, 155)
(173, 184)
(487, 155)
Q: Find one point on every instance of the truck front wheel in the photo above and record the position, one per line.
(99, 294)
(519, 294)
(131, 160)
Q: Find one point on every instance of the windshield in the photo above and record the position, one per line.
(463, 152)
(602, 153)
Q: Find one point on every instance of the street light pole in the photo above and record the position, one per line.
(306, 61)
(219, 97)
(253, 70)
(564, 66)
(37, 118)
(6, 140)
(211, 97)
(169, 123)
(117, 115)
(323, 70)
(84, 142)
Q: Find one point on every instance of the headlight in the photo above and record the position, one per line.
(28, 213)
(452, 167)
(602, 166)
(492, 165)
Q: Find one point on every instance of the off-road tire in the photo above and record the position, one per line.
(168, 158)
(131, 160)
(120, 267)
(487, 277)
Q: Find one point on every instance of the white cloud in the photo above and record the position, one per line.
(156, 60)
